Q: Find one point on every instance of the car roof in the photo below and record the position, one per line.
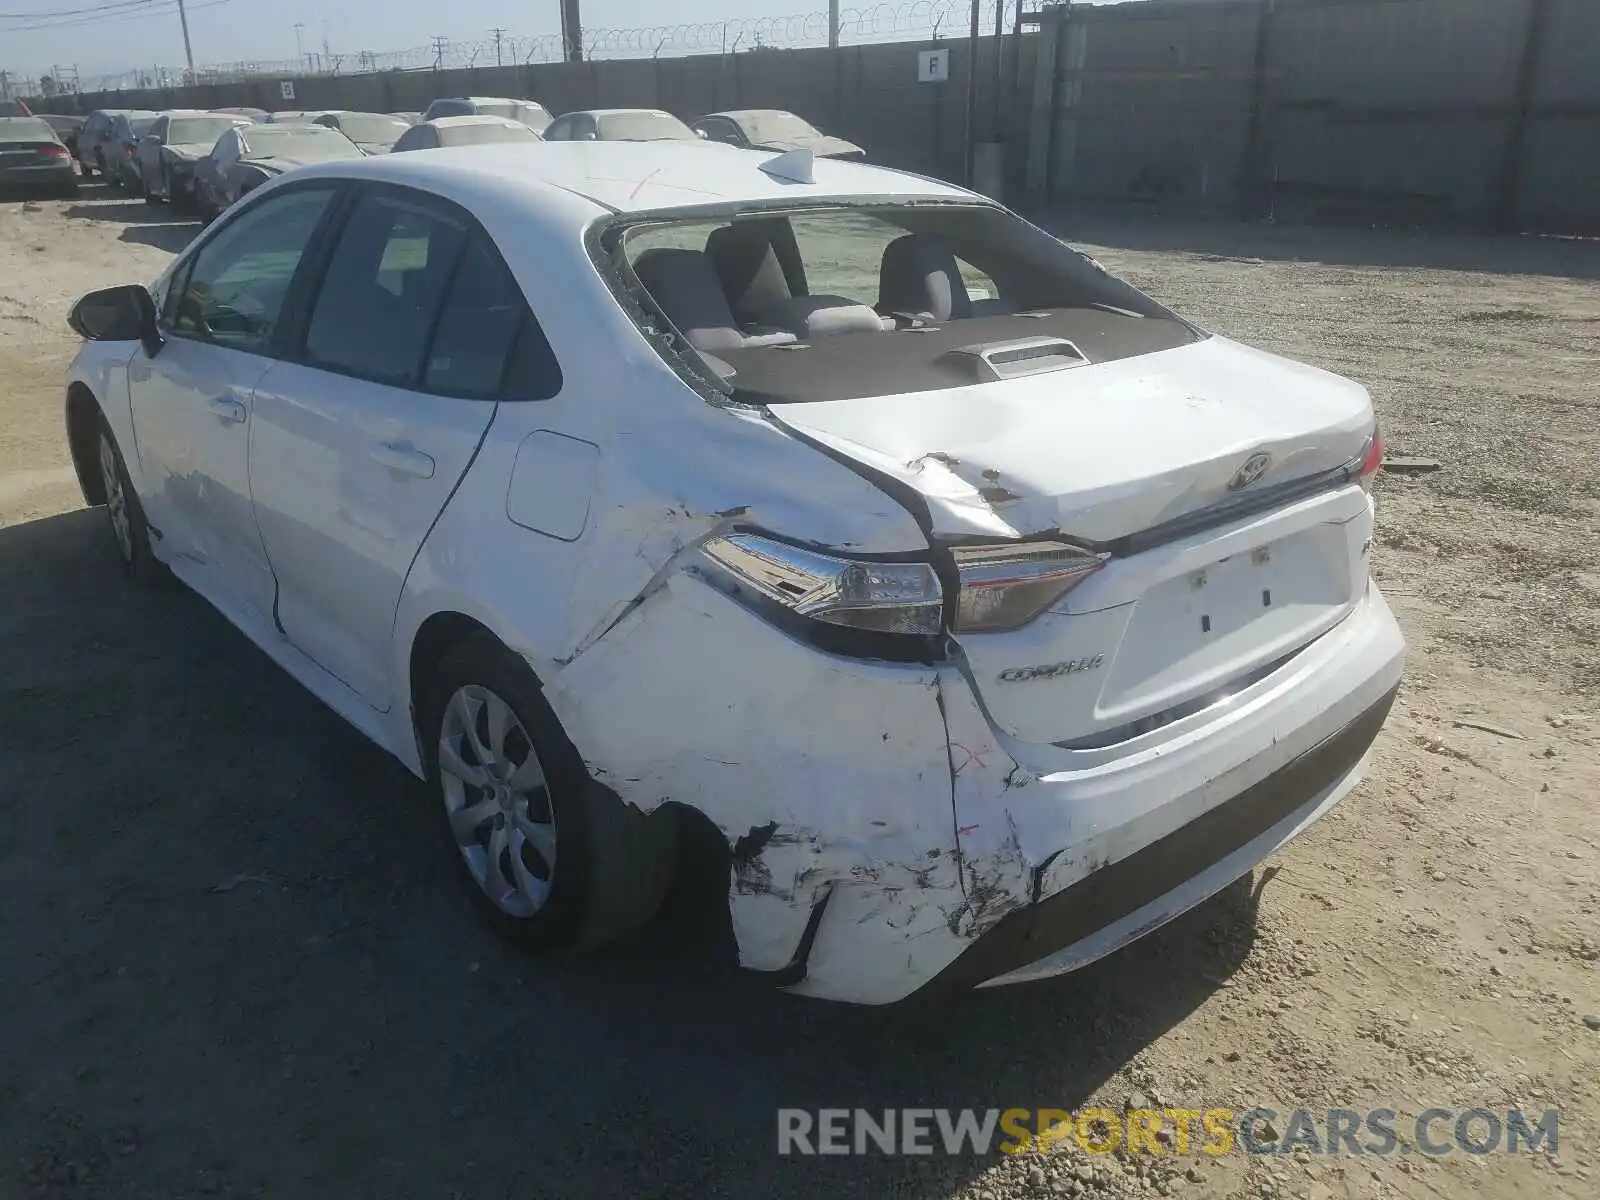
(741, 114)
(471, 119)
(633, 177)
(617, 112)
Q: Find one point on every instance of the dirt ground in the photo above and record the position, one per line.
(233, 962)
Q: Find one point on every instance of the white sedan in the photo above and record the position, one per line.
(982, 613)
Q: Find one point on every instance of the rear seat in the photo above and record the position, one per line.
(919, 278)
(765, 292)
(685, 286)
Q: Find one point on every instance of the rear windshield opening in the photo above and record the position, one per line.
(841, 302)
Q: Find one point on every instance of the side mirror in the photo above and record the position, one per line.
(118, 314)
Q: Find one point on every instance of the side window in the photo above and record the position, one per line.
(478, 335)
(235, 291)
(385, 281)
(560, 130)
(159, 130)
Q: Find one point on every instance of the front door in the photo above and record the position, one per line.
(192, 402)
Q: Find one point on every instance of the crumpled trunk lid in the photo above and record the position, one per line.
(1101, 451)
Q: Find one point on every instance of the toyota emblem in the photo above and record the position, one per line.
(1252, 469)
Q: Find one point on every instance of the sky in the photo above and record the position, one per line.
(36, 35)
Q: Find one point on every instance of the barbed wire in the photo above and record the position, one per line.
(893, 21)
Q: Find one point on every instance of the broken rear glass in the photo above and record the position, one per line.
(837, 302)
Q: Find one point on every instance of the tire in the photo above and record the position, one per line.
(130, 532)
(592, 867)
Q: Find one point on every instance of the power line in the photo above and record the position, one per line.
(77, 15)
(130, 10)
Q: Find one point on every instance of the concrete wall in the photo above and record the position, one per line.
(1429, 111)
(1386, 110)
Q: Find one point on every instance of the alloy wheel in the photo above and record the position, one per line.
(498, 801)
(116, 498)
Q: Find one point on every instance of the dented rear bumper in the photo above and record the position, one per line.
(885, 835)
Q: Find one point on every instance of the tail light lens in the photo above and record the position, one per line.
(1005, 587)
(877, 597)
(53, 152)
(1371, 460)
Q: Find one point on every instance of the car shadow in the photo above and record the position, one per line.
(1228, 240)
(235, 939)
(171, 237)
(121, 208)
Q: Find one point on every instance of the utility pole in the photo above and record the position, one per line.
(498, 35)
(833, 24)
(571, 31)
(968, 132)
(188, 52)
(299, 46)
(440, 45)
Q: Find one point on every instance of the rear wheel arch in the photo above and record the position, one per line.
(441, 633)
(631, 856)
(83, 441)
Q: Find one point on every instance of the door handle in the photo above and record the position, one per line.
(404, 459)
(228, 409)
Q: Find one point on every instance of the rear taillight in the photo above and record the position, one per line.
(858, 594)
(1371, 460)
(53, 152)
(1006, 586)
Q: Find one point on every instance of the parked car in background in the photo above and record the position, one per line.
(375, 133)
(984, 650)
(34, 159)
(97, 145)
(168, 153)
(773, 129)
(247, 156)
(255, 114)
(619, 125)
(410, 118)
(122, 150)
(531, 113)
(463, 131)
(292, 116)
(67, 127)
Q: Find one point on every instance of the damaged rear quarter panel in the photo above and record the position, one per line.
(820, 771)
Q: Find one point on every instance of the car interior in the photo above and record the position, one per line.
(985, 295)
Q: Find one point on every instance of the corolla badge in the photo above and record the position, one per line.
(1253, 469)
(1052, 670)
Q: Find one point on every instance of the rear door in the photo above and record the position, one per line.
(149, 152)
(359, 443)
